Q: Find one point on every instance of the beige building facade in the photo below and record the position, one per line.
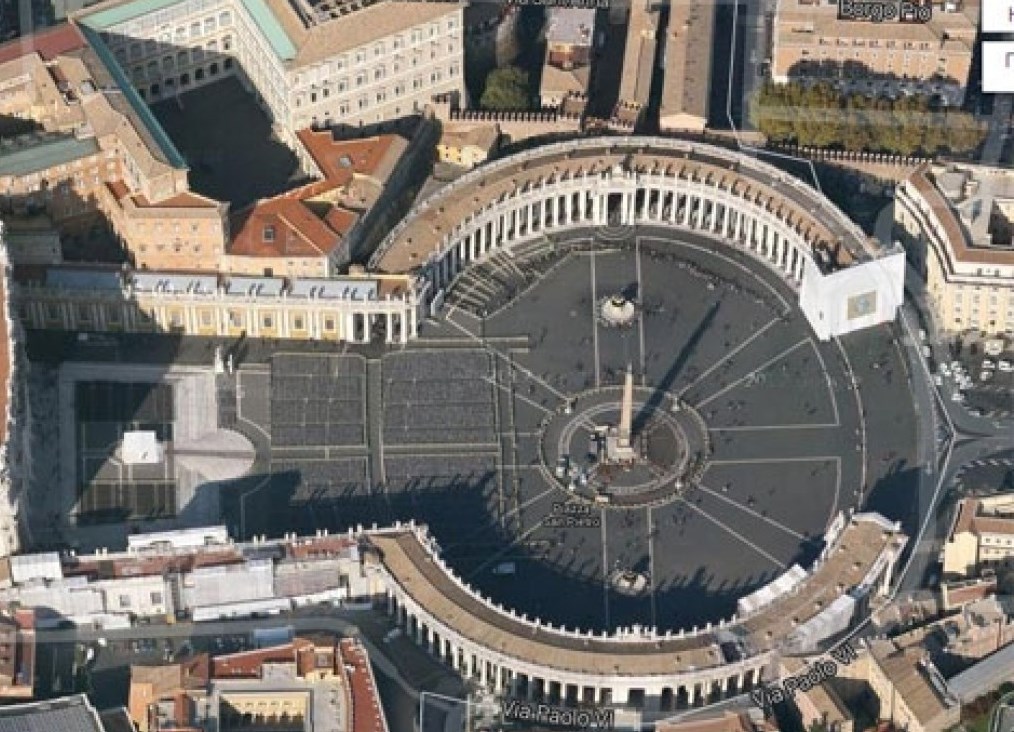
(352, 309)
(956, 224)
(345, 63)
(889, 57)
(981, 536)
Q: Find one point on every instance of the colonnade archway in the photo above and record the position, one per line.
(495, 672)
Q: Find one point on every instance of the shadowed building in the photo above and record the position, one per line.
(889, 57)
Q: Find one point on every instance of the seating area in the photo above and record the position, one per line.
(317, 401)
(438, 397)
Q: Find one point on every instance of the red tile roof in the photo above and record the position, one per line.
(339, 160)
(143, 566)
(367, 712)
(295, 231)
(48, 43)
(248, 664)
(323, 546)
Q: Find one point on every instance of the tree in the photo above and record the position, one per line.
(821, 116)
(506, 89)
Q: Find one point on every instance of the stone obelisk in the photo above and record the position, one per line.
(626, 410)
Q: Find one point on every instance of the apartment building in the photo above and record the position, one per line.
(956, 223)
(315, 682)
(981, 535)
(913, 695)
(890, 57)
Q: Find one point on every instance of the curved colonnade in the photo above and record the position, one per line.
(643, 668)
(613, 183)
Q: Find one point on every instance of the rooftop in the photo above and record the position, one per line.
(978, 518)
(906, 671)
(35, 153)
(367, 712)
(69, 714)
(687, 78)
(315, 42)
(483, 135)
(340, 161)
(281, 227)
(638, 54)
(48, 43)
(570, 26)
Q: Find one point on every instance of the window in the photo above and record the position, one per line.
(235, 318)
(298, 323)
(124, 601)
(156, 598)
(269, 233)
(205, 318)
(267, 321)
(329, 324)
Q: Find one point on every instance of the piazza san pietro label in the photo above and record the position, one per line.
(537, 713)
(883, 11)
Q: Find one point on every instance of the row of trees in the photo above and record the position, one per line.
(821, 116)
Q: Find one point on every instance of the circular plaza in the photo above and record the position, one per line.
(655, 417)
(672, 425)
